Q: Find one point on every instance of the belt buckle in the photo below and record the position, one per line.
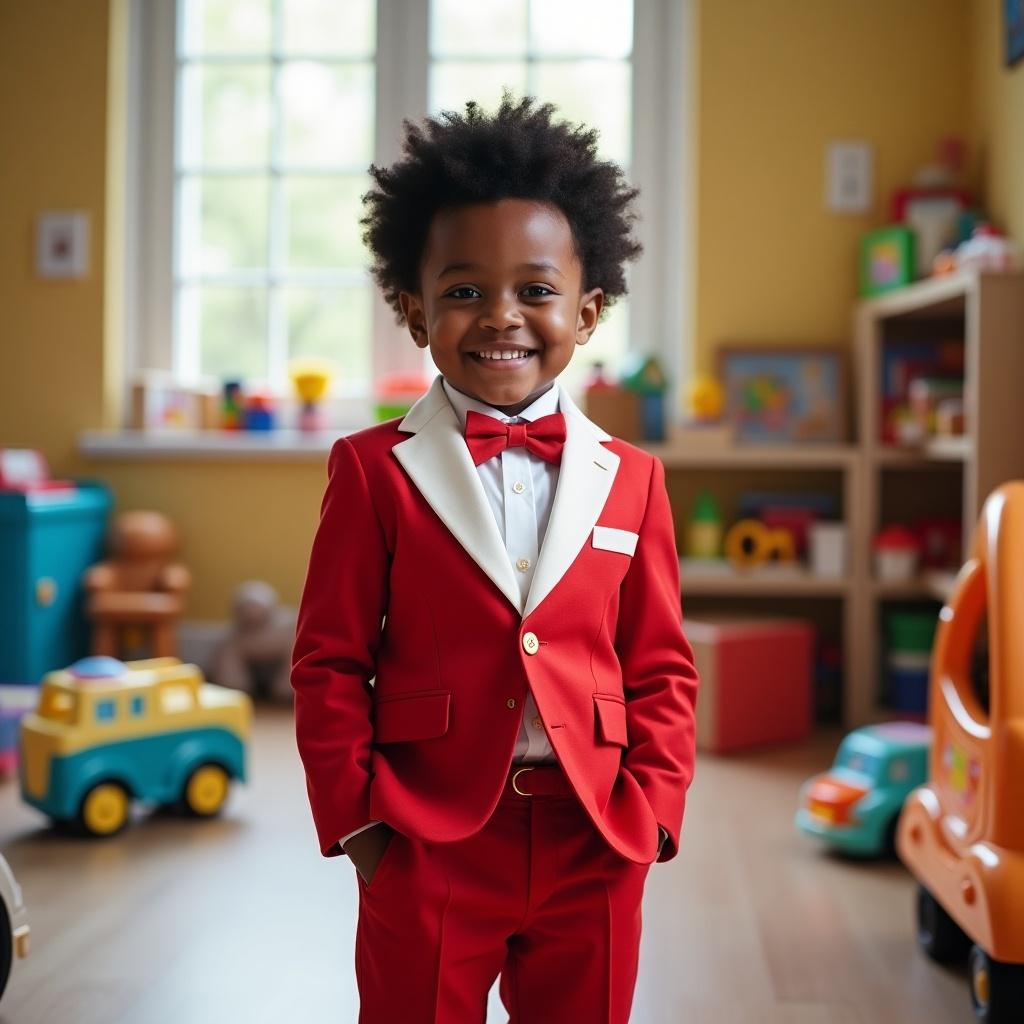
(515, 775)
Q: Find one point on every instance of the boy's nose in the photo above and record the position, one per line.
(501, 315)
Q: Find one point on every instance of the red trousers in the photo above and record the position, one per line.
(536, 895)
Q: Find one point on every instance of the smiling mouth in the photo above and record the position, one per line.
(503, 361)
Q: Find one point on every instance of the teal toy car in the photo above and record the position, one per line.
(855, 805)
(106, 732)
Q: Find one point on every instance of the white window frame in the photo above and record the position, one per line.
(661, 282)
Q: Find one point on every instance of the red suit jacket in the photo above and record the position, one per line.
(410, 585)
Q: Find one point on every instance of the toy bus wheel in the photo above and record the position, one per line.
(997, 989)
(6, 948)
(104, 809)
(937, 933)
(206, 791)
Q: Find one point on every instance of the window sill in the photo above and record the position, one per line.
(189, 445)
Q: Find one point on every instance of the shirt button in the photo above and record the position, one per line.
(510, 703)
(519, 487)
(537, 723)
(523, 564)
(530, 643)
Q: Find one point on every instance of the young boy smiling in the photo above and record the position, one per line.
(505, 572)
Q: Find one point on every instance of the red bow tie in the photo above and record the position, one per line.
(487, 436)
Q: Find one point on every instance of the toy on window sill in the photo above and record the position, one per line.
(961, 833)
(311, 381)
(855, 805)
(255, 654)
(14, 928)
(138, 589)
(396, 393)
(106, 732)
(232, 412)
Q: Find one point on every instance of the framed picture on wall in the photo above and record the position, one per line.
(784, 394)
(1013, 11)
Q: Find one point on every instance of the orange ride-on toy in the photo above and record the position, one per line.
(962, 833)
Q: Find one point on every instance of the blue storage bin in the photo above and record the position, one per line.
(47, 541)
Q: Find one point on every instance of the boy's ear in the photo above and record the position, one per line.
(591, 304)
(412, 310)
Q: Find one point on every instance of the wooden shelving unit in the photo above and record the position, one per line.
(987, 312)
(954, 475)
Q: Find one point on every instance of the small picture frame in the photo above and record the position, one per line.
(888, 258)
(1013, 16)
(62, 244)
(784, 394)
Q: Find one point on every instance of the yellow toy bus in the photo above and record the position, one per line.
(962, 833)
(106, 731)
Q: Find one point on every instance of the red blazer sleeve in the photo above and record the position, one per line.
(337, 637)
(659, 678)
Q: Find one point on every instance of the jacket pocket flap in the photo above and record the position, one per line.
(411, 716)
(611, 718)
(611, 538)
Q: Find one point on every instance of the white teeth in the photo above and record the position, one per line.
(502, 355)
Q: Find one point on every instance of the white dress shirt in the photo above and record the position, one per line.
(520, 488)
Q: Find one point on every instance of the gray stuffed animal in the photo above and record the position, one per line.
(255, 655)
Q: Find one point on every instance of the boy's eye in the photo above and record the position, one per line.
(533, 291)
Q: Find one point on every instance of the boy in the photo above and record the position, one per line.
(506, 572)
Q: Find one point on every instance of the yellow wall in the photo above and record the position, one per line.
(997, 114)
(53, 101)
(776, 80)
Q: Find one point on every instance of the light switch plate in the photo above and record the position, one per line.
(62, 244)
(848, 177)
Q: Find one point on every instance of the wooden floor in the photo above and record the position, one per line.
(241, 920)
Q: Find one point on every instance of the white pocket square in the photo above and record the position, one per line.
(612, 539)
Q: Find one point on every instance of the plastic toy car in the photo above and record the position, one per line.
(962, 833)
(106, 731)
(13, 924)
(855, 805)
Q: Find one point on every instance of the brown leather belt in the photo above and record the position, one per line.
(525, 781)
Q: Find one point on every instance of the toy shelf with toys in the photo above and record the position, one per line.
(937, 374)
(938, 366)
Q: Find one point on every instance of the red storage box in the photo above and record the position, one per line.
(755, 680)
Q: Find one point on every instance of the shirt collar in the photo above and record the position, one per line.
(542, 406)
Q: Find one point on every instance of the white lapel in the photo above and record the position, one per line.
(438, 462)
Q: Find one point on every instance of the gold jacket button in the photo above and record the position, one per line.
(530, 643)
(510, 703)
(537, 723)
(523, 564)
(519, 487)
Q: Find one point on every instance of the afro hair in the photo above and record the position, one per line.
(456, 160)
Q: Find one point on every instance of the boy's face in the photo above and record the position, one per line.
(498, 276)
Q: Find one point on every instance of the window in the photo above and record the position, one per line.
(256, 123)
(137, 706)
(106, 710)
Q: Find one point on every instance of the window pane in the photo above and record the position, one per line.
(593, 28)
(328, 114)
(226, 26)
(333, 324)
(454, 82)
(323, 222)
(232, 328)
(597, 93)
(223, 224)
(473, 28)
(325, 26)
(225, 115)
